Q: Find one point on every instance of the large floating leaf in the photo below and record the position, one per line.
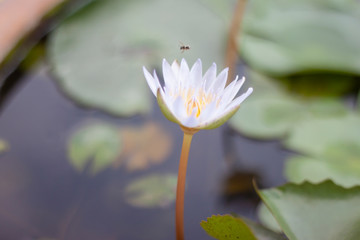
(327, 107)
(156, 190)
(267, 219)
(98, 54)
(343, 172)
(323, 211)
(271, 113)
(96, 145)
(358, 102)
(283, 37)
(267, 117)
(262, 233)
(226, 227)
(316, 136)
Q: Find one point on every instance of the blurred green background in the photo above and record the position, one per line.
(86, 153)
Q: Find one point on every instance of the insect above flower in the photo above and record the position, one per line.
(193, 100)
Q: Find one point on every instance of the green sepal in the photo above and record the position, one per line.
(220, 121)
(164, 108)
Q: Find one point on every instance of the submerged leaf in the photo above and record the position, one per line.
(156, 190)
(4, 146)
(140, 150)
(96, 145)
(321, 211)
(227, 227)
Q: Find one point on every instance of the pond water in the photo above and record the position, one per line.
(43, 197)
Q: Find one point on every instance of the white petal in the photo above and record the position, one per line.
(165, 106)
(225, 95)
(176, 68)
(196, 75)
(239, 100)
(184, 65)
(153, 82)
(209, 77)
(178, 109)
(208, 112)
(190, 122)
(183, 79)
(224, 110)
(220, 81)
(169, 76)
(229, 96)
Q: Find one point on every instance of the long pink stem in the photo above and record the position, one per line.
(180, 189)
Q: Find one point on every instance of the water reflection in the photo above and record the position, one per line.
(41, 195)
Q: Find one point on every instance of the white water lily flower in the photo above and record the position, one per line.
(193, 100)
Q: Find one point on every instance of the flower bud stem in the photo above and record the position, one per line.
(180, 189)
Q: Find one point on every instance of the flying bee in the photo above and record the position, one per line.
(184, 47)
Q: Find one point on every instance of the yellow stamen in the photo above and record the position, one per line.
(194, 101)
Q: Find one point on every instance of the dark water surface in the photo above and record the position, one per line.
(41, 195)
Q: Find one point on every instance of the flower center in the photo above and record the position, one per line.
(196, 101)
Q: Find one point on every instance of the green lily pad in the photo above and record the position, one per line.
(95, 145)
(315, 136)
(267, 117)
(98, 53)
(227, 227)
(271, 113)
(321, 211)
(262, 233)
(267, 219)
(344, 172)
(349, 151)
(156, 190)
(327, 107)
(285, 37)
(358, 102)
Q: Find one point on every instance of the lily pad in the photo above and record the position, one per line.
(321, 211)
(346, 151)
(95, 146)
(272, 113)
(98, 53)
(267, 117)
(344, 172)
(315, 136)
(358, 102)
(267, 219)
(227, 227)
(262, 233)
(327, 107)
(156, 190)
(285, 37)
